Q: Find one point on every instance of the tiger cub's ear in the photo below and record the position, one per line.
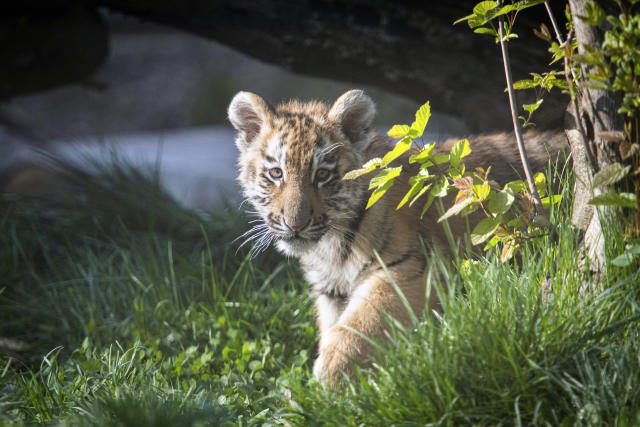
(248, 113)
(353, 111)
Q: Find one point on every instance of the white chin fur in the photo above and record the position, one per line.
(294, 247)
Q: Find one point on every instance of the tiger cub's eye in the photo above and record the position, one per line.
(275, 173)
(322, 174)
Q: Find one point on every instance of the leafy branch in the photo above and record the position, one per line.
(483, 13)
(510, 216)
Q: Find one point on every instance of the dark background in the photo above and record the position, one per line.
(73, 69)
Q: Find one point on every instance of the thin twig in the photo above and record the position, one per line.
(514, 117)
(554, 24)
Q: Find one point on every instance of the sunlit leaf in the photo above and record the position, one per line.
(530, 108)
(415, 189)
(523, 84)
(398, 131)
(422, 118)
(463, 183)
(486, 30)
(420, 194)
(379, 192)
(492, 242)
(455, 209)
(401, 147)
(481, 191)
(540, 181)
(458, 151)
(554, 199)
(517, 186)
(501, 202)
(623, 260)
(384, 176)
(439, 189)
(423, 155)
(370, 166)
(484, 230)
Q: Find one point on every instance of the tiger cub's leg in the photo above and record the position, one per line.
(365, 311)
(328, 311)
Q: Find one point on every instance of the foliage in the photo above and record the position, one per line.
(510, 214)
(614, 66)
(135, 323)
(154, 323)
(519, 348)
(484, 13)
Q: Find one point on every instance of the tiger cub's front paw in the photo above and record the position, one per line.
(336, 356)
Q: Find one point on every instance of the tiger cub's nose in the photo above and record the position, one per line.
(295, 227)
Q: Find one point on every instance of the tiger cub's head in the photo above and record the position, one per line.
(292, 160)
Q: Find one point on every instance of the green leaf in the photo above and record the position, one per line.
(484, 7)
(623, 260)
(524, 84)
(415, 189)
(398, 131)
(423, 155)
(530, 108)
(384, 176)
(458, 151)
(379, 192)
(524, 4)
(625, 200)
(440, 189)
(541, 221)
(540, 181)
(633, 249)
(417, 196)
(501, 202)
(610, 175)
(595, 15)
(370, 166)
(465, 18)
(554, 199)
(484, 230)
(439, 159)
(456, 209)
(486, 30)
(517, 186)
(481, 191)
(401, 147)
(422, 118)
(626, 258)
(494, 241)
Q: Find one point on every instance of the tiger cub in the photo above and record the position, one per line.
(291, 163)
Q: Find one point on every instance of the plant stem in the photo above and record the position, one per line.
(514, 117)
(554, 24)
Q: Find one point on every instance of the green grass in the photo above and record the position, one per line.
(139, 312)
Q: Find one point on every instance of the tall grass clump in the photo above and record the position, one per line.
(117, 302)
(120, 307)
(538, 341)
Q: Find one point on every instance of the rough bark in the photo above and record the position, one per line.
(598, 109)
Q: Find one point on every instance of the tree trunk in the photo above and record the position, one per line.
(598, 111)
